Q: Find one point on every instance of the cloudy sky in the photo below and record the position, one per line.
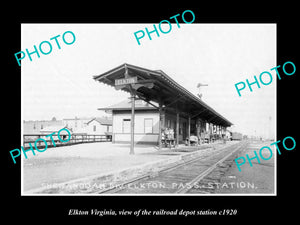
(61, 83)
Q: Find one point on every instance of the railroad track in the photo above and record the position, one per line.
(177, 179)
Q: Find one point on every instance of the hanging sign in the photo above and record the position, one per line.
(130, 80)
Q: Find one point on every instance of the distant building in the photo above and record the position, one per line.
(99, 126)
(75, 125)
(35, 126)
(51, 129)
(236, 136)
(89, 125)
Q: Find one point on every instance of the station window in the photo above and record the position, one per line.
(94, 128)
(126, 126)
(148, 125)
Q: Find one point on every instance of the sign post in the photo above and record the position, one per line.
(132, 85)
(128, 82)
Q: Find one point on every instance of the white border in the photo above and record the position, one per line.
(137, 195)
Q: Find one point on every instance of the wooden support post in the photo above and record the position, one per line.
(160, 126)
(132, 124)
(189, 130)
(211, 129)
(198, 130)
(177, 128)
(222, 132)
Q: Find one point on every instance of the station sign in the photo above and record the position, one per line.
(130, 80)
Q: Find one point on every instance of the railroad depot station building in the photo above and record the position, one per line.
(158, 103)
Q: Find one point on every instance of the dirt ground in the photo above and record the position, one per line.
(66, 163)
(258, 179)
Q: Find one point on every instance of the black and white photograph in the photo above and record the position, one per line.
(132, 114)
(172, 115)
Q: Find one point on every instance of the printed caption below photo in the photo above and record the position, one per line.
(145, 212)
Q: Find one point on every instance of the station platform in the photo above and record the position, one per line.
(88, 166)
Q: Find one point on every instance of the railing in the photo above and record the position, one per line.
(75, 139)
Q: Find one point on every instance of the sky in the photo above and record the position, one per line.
(61, 83)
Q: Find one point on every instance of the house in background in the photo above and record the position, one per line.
(76, 125)
(89, 125)
(99, 126)
(86, 125)
(51, 129)
(35, 126)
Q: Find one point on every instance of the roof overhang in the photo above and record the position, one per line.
(164, 90)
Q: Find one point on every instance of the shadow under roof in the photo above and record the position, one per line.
(166, 90)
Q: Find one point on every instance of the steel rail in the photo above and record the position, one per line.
(120, 186)
(191, 184)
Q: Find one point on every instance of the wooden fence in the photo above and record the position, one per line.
(75, 139)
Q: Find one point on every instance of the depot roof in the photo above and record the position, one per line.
(166, 90)
(102, 121)
(126, 105)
